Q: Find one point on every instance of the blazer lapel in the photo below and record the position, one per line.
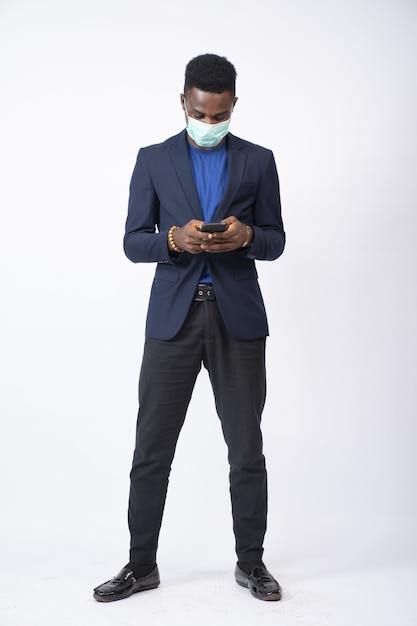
(181, 161)
(236, 165)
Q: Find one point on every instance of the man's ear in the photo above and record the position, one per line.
(182, 97)
(234, 102)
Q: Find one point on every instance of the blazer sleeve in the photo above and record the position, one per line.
(269, 236)
(143, 242)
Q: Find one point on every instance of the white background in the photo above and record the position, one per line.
(330, 87)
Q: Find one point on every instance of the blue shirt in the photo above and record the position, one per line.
(209, 169)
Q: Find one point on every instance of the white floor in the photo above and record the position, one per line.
(43, 588)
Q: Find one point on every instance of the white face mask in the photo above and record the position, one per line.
(207, 135)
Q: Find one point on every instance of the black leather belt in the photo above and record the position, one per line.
(204, 292)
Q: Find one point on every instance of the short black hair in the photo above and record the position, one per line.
(210, 72)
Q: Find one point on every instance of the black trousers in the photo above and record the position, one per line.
(168, 374)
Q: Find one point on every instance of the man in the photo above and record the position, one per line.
(205, 308)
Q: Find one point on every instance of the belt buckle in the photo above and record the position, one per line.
(204, 292)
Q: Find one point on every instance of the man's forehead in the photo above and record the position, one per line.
(198, 99)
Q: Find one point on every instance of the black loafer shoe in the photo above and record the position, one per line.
(260, 583)
(124, 584)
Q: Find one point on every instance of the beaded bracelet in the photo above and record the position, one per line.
(171, 241)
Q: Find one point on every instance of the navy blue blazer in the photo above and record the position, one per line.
(163, 194)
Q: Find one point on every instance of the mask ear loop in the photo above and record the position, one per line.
(186, 109)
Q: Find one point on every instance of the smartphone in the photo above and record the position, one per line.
(213, 227)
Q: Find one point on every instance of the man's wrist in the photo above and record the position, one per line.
(249, 237)
(171, 243)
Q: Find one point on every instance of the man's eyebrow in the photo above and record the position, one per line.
(215, 115)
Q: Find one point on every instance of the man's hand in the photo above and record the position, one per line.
(190, 239)
(231, 239)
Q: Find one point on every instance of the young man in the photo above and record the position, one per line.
(205, 308)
